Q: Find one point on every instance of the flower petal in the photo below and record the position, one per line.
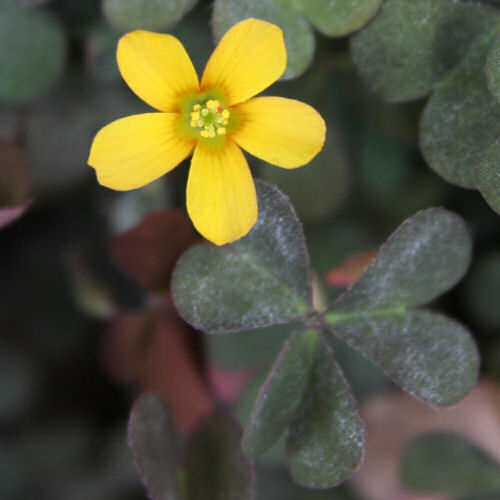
(157, 68)
(249, 58)
(133, 151)
(284, 132)
(221, 198)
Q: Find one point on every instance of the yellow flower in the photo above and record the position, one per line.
(212, 118)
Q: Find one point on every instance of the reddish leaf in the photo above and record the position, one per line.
(349, 270)
(170, 371)
(153, 441)
(124, 345)
(153, 350)
(216, 468)
(149, 251)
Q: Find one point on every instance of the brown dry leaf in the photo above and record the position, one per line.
(393, 419)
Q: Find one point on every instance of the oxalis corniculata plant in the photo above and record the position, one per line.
(265, 279)
(255, 270)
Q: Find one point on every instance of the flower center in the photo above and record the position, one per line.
(209, 119)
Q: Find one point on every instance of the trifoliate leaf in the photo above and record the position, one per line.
(339, 17)
(411, 46)
(216, 468)
(298, 34)
(493, 69)
(261, 279)
(422, 259)
(325, 444)
(281, 394)
(449, 464)
(32, 54)
(429, 355)
(155, 15)
(461, 119)
(488, 175)
(153, 442)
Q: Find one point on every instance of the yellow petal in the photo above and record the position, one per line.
(133, 151)
(249, 58)
(221, 198)
(157, 68)
(284, 132)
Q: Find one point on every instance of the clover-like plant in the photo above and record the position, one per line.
(171, 471)
(450, 50)
(265, 279)
(296, 18)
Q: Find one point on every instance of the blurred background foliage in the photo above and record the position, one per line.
(83, 331)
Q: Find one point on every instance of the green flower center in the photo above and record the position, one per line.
(209, 118)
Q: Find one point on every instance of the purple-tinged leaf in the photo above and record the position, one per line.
(152, 439)
(281, 394)
(422, 259)
(429, 355)
(325, 444)
(216, 468)
(262, 279)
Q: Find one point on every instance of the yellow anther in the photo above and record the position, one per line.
(204, 133)
(221, 130)
(211, 104)
(225, 114)
(211, 133)
(196, 107)
(193, 124)
(195, 115)
(225, 122)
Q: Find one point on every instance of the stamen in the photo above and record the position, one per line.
(210, 118)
